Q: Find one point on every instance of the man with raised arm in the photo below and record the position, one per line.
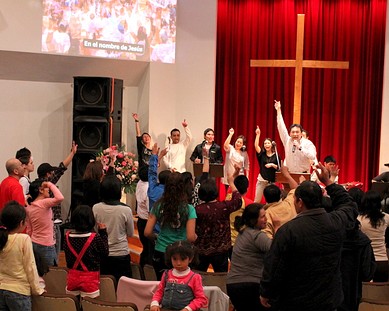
(176, 149)
(299, 151)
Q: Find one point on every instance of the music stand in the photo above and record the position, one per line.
(215, 169)
(383, 189)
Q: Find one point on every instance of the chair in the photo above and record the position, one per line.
(107, 288)
(50, 302)
(217, 300)
(90, 304)
(55, 280)
(214, 279)
(149, 273)
(137, 291)
(373, 305)
(137, 271)
(375, 290)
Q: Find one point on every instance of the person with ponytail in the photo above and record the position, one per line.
(176, 217)
(249, 250)
(40, 224)
(18, 272)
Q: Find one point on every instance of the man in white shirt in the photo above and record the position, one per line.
(299, 151)
(176, 149)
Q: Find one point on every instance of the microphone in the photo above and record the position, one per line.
(294, 146)
(273, 143)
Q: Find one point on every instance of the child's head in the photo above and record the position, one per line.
(12, 216)
(83, 219)
(180, 254)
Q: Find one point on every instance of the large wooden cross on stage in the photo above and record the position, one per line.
(299, 64)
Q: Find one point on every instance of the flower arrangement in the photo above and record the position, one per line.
(126, 167)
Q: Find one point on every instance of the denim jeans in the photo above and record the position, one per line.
(48, 253)
(11, 301)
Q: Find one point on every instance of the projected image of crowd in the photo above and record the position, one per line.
(124, 29)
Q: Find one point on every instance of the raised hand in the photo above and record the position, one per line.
(323, 174)
(231, 131)
(135, 116)
(277, 104)
(257, 131)
(184, 123)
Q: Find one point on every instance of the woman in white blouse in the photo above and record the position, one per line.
(374, 223)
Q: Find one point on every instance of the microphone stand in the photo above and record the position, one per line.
(278, 159)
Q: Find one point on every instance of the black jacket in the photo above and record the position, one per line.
(215, 153)
(302, 267)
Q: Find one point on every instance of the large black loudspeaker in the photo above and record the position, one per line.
(97, 122)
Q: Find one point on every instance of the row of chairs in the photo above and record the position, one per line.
(137, 290)
(375, 296)
(65, 302)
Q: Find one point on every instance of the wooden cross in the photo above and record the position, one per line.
(299, 64)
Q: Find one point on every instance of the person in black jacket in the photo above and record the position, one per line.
(208, 147)
(302, 267)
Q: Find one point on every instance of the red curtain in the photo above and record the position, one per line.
(341, 109)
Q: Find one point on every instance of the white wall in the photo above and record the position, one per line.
(38, 115)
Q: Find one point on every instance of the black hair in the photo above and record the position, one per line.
(173, 211)
(163, 176)
(371, 208)
(23, 152)
(174, 130)
(273, 149)
(34, 188)
(143, 173)
(208, 130)
(188, 185)
(272, 193)
(310, 193)
(208, 190)
(10, 218)
(249, 217)
(296, 125)
(110, 188)
(83, 219)
(244, 147)
(329, 159)
(241, 183)
(143, 134)
(24, 160)
(357, 195)
(184, 249)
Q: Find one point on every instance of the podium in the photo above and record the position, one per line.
(215, 170)
(280, 178)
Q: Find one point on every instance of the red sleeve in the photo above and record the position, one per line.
(161, 288)
(200, 300)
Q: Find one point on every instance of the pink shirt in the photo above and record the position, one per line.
(40, 218)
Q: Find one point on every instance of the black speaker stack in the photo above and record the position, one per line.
(97, 123)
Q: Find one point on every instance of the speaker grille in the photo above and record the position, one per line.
(91, 92)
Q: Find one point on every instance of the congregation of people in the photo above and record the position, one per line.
(299, 244)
